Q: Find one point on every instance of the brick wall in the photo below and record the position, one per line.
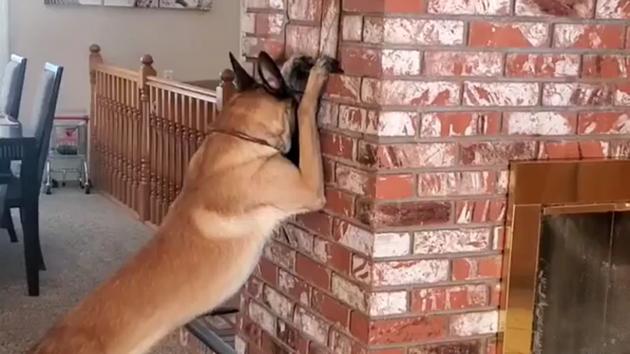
(438, 97)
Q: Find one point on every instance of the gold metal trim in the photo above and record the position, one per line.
(548, 188)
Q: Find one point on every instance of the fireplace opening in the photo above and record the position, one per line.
(582, 284)
(566, 271)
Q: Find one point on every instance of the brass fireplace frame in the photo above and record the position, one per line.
(539, 188)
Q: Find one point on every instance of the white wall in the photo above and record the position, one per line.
(193, 44)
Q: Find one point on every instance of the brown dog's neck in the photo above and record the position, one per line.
(246, 137)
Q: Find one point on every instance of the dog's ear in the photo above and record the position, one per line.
(244, 80)
(271, 76)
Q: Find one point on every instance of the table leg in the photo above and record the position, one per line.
(31, 243)
(30, 220)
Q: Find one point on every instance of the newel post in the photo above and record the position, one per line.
(146, 70)
(227, 87)
(93, 158)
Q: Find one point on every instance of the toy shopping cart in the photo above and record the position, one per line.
(68, 153)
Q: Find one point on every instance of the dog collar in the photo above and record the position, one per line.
(244, 136)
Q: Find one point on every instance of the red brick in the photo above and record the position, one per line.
(333, 254)
(474, 347)
(495, 346)
(622, 95)
(273, 46)
(578, 94)
(251, 330)
(344, 87)
(452, 298)
(477, 268)
(389, 351)
(490, 267)
(424, 271)
(463, 64)
(361, 61)
(542, 65)
(337, 145)
(559, 150)
(302, 40)
(312, 326)
(480, 211)
(280, 254)
(495, 295)
(394, 187)
(287, 334)
(268, 271)
(574, 149)
(497, 152)
(269, 24)
(577, 9)
(539, 123)
(367, 154)
(351, 27)
(305, 10)
(392, 30)
(340, 202)
(270, 344)
(313, 272)
(588, 36)
(359, 326)
(318, 222)
(353, 180)
(361, 269)
(353, 237)
(501, 94)
(329, 170)
(330, 308)
(254, 287)
(416, 155)
(606, 66)
(604, 123)
(469, 7)
(508, 35)
(460, 124)
(458, 183)
(406, 214)
(408, 330)
(463, 269)
(386, 6)
(415, 93)
(295, 287)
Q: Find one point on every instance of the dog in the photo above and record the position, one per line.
(238, 187)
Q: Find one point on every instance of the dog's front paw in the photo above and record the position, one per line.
(327, 65)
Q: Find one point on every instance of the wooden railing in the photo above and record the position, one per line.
(144, 130)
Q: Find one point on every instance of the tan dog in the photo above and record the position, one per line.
(237, 189)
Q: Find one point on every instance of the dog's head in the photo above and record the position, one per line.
(264, 109)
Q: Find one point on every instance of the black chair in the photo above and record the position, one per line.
(10, 101)
(40, 127)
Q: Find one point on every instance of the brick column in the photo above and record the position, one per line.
(438, 97)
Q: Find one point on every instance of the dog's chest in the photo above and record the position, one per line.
(258, 222)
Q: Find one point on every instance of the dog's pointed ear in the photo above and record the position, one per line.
(243, 79)
(271, 76)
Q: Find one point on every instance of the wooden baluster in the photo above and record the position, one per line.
(146, 70)
(161, 145)
(227, 87)
(93, 154)
(154, 137)
(177, 148)
(129, 144)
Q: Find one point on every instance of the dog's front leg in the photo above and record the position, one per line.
(311, 166)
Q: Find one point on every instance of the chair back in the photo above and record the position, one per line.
(44, 107)
(12, 85)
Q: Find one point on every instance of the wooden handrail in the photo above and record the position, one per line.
(143, 131)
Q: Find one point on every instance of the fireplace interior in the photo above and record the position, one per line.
(583, 282)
